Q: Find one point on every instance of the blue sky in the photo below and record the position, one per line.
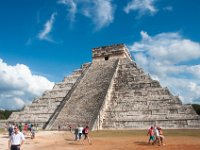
(41, 41)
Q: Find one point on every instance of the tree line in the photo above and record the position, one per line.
(4, 114)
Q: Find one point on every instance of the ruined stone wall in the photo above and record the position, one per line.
(139, 102)
(110, 52)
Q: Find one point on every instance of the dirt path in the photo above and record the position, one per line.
(53, 140)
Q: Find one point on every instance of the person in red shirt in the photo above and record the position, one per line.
(86, 134)
(151, 135)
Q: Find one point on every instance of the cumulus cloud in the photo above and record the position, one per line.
(44, 34)
(18, 86)
(143, 7)
(169, 57)
(101, 12)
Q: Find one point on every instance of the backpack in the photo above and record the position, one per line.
(86, 130)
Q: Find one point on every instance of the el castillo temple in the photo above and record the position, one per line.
(111, 92)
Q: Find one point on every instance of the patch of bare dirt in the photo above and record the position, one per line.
(54, 140)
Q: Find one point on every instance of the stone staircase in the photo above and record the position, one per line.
(139, 102)
(51, 120)
(84, 103)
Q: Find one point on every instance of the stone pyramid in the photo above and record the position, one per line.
(112, 92)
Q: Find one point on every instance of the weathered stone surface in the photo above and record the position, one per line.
(112, 92)
(44, 107)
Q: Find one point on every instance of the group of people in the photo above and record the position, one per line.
(16, 134)
(80, 131)
(27, 129)
(156, 135)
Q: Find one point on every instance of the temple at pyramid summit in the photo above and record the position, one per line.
(111, 92)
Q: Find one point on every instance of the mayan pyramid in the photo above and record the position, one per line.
(112, 92)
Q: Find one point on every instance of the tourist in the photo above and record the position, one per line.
(80, 129)
(161, 135)
(151, 135)
(58, 127)
(76, 134)
(20, 127)
(32, 132)
(70, 128)
(29, 128)
(25, 128)
(10, 129)
(86, 134)
(157, 135)
(16, 140)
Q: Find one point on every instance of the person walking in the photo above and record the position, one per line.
(151, 135)
(80, 130)
(76, 134)
(16, 140)
(157, 135)
(162, 137)
(86, 134)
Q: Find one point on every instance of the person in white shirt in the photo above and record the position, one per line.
(80, 129)
(16, 140)
(157, 135)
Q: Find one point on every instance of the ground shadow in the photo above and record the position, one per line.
(141, 143)
(75, 143)
(69, 139)
(28, 137)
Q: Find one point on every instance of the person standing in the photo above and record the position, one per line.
(59, 127)
(16, 139)
(10, 130)
(20, 127)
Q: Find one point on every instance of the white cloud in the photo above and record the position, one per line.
(18, 86)
(44, 34)
(101, 12)
(169, 57)
(72, 5)
(143, 7)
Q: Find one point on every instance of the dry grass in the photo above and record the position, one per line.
(133, 133)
